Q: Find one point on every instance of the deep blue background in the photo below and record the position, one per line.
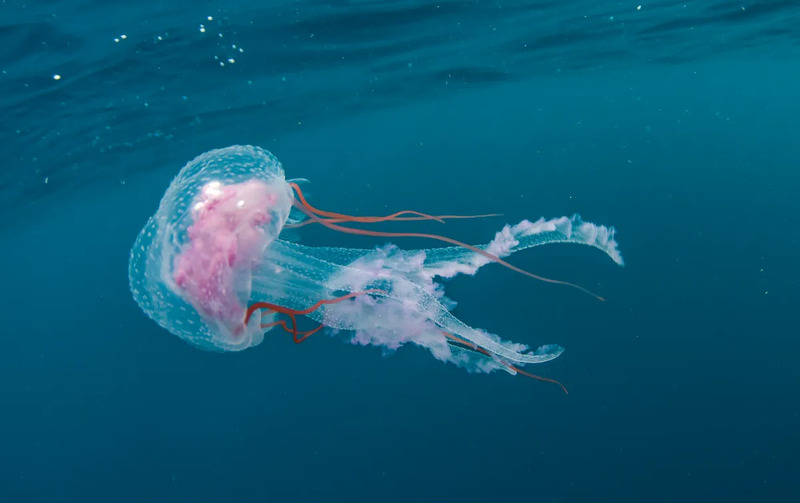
(677, 123)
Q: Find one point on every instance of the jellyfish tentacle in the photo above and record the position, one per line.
(293, 313)
(537, 377)
(351, 218)
(305, 333)
(394, 217)
(341, 217)
(448, 217)
(505, 363)
(391, 218)
(301, 312)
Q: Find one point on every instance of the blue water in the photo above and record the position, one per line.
(675, 122)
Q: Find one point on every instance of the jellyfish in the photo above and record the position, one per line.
(213, 267)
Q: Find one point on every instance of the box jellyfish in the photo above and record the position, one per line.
(210, 266)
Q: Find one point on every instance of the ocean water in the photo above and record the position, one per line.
(676, 122)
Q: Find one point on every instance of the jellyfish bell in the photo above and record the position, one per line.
(211, 268)
(191, 266)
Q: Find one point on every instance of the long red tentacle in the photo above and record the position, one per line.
(293, 313)
(512, 367)
(295, 333)
(438, 218)
(340, 217)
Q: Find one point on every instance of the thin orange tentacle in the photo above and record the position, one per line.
(438, 218)
(293, 330)
(340, 217)
(512, 367)
(293, 313)
(537, 377)
(302, 312)
(305, 333)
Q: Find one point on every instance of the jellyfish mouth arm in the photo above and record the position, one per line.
(296, 276)
(399, 311)
(507, 351)
(404, 300)
(451, 261)
(292, 278)
(372, 303)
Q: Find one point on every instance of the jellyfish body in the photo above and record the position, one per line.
(210, 267)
